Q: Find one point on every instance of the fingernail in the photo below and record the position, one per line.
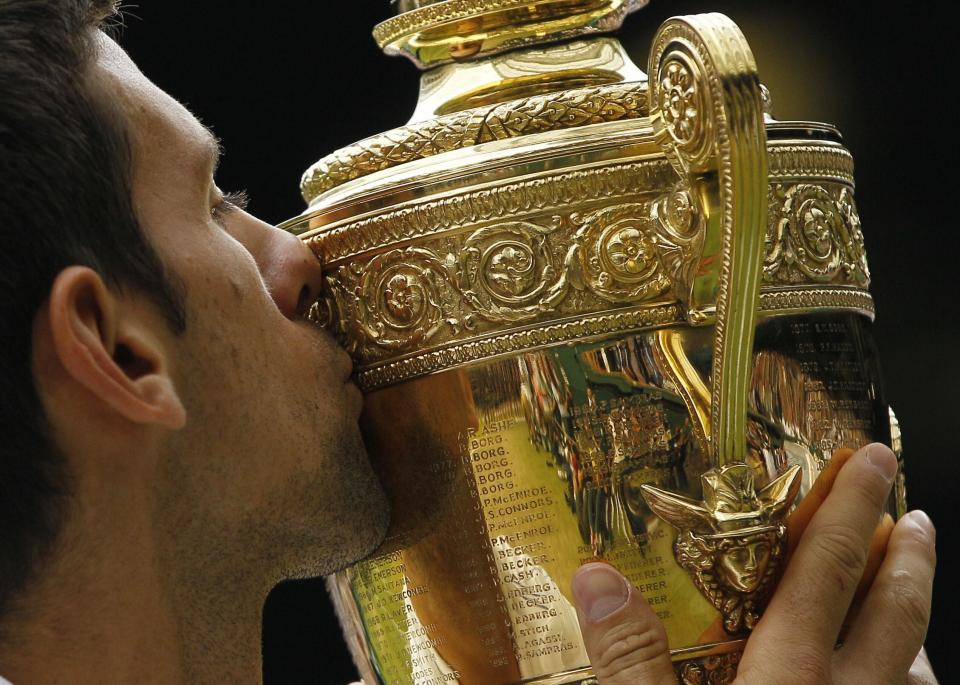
(882, 459)
(599, 590)
(921, 522)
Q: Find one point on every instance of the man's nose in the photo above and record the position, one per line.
(293, 274)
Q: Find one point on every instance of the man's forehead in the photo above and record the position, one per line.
(156, 120)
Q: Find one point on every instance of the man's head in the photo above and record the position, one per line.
(157, 365)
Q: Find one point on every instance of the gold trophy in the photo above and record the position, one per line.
(597, 314)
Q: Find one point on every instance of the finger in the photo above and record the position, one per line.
(811, 601)
(626, 642)
(800, 517)
(896, 611)
(875, 556)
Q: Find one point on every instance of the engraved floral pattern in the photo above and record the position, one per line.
(855, 266)
(638, 252)
(683, 104)
(680, 101)
(404, 298)
(475, 284)
(510, 269)
(399, 301)
(630, 254)
(507, 271)
(617, 256)
(813, 235)
(813, 220)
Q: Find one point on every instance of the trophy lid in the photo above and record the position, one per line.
(433, 32)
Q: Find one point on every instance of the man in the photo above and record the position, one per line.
(149, 502)
(177, 438)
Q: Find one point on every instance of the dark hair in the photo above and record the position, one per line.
(64, 200)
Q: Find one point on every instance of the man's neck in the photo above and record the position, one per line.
(112, 611)
(219, 626)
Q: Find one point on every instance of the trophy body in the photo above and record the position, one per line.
(596, 316)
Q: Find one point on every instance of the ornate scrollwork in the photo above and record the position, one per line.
(637, 252)
(855, 267)
(403, 298)
(680, 230)
(830, 164)
(617, 255)
(813, 235)
(706, 110)
(508, 273)
(460, 284)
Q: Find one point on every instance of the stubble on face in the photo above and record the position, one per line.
(269, 479)
(271, 467)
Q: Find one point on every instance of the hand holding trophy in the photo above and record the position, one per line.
(797, 640)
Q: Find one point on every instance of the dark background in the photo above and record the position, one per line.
(283, 83)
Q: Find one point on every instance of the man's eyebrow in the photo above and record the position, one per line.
(214, 148)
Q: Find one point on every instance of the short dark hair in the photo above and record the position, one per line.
(65, 199)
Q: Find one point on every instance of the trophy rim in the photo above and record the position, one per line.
(436, 33)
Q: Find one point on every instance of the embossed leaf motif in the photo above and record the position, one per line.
(678, 214)
(630, 253)
(507, 271)
(399, 301)
(855, 265)
(553, 111)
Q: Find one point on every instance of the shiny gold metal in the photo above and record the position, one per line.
(441, 32)
(732, 542)
(462, 129)
(595, 315)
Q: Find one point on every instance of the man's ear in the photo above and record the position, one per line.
(111, 351)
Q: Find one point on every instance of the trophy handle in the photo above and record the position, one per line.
(706, 107)
(707, 110)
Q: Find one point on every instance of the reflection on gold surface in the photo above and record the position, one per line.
(545, 469)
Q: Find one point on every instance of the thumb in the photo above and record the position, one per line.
(626, 642)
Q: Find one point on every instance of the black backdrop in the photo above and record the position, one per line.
(283, 83)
